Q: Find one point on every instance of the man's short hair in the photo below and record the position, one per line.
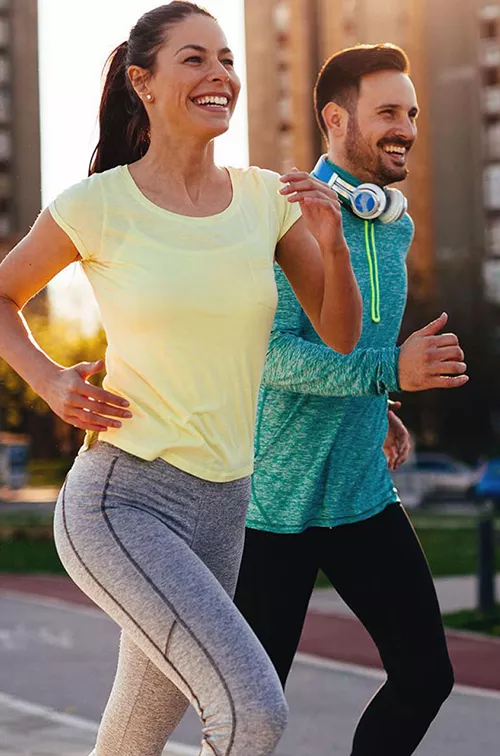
(340, 77)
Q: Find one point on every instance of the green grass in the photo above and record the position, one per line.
(48, 472)
(27, 544)
(29, 556)
(449, 543)
(475, 621)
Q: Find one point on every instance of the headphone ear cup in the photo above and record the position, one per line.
(368, 201)
(396, 207)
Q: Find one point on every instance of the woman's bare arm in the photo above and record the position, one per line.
(27, 269)
(315, 258)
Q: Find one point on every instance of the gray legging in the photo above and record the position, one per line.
(159, 551)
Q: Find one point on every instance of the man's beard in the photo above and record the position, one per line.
(364, 162)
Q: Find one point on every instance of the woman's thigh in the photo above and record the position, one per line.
(126, 532)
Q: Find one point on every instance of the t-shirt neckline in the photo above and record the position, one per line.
(125, 171)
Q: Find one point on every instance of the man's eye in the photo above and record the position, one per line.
(388, 112)
(228, 62)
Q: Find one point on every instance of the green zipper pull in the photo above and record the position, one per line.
(371, 254)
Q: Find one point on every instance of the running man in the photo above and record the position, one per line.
(322, 496)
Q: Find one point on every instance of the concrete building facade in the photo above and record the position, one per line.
(20, 164)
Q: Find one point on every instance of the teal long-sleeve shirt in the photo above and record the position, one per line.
(322, 416)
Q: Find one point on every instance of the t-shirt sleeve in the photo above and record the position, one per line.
(286, 213)
(79, 211)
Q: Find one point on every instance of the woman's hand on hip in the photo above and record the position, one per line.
(79, 403)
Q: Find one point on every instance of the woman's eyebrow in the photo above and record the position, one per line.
(200, 48)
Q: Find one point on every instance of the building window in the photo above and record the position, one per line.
(4, 32)
(5, 185)
(488, 29)
(493, 140)
(492, 186)
(282, 16)
(490, 53)
(5, 225)
(4, 70)
(491, 100)
(491, 77)
(5, 145)
(5, 110)
(493, 238)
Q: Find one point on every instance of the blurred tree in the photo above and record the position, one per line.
(21, 410)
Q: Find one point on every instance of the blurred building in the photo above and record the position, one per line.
(20, 171)
(454, 183)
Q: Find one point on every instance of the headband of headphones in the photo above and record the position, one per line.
(367, 201)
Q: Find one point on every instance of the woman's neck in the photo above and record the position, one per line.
(180, 175)
(187, 164)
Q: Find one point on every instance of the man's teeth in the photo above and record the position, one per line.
(394, 149)
(212, 100)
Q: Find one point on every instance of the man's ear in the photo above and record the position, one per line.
(336, 119)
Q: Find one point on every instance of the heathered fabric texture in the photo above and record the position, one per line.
(322, 416)
(159, 550)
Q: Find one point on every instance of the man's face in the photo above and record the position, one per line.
(382, 129)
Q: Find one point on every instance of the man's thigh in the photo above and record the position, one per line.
(276, 579)
(379, 569)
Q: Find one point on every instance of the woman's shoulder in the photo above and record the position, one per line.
(95, 182)
(255, 178)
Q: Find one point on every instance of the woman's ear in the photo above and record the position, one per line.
(140, 80)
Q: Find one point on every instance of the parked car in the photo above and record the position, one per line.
(488, 482)
(433, 475)
(14, 453)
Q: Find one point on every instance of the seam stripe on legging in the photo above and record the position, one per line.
(176, 615)
(169, 637)
(114, 600)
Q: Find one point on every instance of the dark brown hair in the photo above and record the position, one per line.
(124, 133)
(340, 77)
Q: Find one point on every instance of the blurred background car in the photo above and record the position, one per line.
(434, 476)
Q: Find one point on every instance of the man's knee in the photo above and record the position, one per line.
(426, 686)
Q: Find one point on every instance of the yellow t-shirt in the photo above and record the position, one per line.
(187, 305)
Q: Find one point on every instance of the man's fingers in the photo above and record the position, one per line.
(448, 368)
(443, 340)
(435, 326)
(448, 382)
(448, 354)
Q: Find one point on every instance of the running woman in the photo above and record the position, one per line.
(150, 521)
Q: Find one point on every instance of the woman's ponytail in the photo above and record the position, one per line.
(123, 121)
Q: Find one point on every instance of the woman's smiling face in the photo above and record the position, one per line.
(194, 87)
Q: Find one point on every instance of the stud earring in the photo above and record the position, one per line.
(149, 97)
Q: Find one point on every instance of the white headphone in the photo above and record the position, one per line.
(367, 201)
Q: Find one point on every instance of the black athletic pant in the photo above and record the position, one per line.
(379, 569)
